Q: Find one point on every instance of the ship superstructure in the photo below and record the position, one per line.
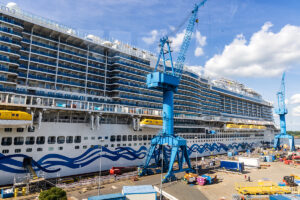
(83, 91)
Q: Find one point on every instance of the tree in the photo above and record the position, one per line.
(53, 194)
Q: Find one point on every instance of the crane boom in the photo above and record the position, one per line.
(186, 40)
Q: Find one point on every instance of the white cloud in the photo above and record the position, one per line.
(296, 111)
(200, 42)
(266, 54)
(152, 38)
(295, 99)
(177, 41)
(199, 51)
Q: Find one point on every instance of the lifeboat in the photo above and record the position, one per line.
(9, 118)
(232, 126)
(151, 123)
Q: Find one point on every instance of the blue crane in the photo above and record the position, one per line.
(282, 111)
(167, 81)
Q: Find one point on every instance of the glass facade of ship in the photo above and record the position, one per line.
(50, 67)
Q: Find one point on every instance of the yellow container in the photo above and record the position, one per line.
(16, 192)
(23, 191)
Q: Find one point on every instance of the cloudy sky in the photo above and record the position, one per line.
(251, 41)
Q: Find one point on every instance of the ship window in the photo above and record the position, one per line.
(13, 115)
(60, 148)
(39, 149)
(29, 150)
(106, 137)
(124, 138)
(69, 139)
(135, 144)
(6, 141)
(118, 145)
(5, 151)
(112, 138)
(112, 145)
(29, 140)
(17, 150)
(124, 145)
(18, 141)
(99, 138)
(93, 138)
(60, 139)
(51, 140)
(77, 139)
(17, 115)
(76, 147)
(149, 137)
(144, 137)
(50, 149)
(134, 137)
(85, 138)
(20, 130)
(92, 146)
(106, 145)
(31, 129)
(8, 130)
(40, 140)
(84, 147)
(129, 144)
(129, 137)
(140, 137)
(118, 138)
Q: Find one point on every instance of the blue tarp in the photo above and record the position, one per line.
(285, 197)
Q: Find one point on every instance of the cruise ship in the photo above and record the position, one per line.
(69, 101)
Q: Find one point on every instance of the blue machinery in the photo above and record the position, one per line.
(167, 82)
(282, 111)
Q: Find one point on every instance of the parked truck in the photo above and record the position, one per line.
(232, 165)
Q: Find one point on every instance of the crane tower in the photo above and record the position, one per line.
(167, 81)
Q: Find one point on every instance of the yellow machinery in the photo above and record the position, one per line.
(151, 123)
(261, 188)
(14, 115)
(244, 126)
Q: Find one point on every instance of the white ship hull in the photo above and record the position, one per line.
(64, 160)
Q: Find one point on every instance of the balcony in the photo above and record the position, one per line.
(39, 77)
(9, 70)
(7, 30)
(71, 68)
(8, 60)
(8, 50)
(70, 83)
(72, 61)
(70, 75)
(10, 41)
(132, 65)
(73, 53)
(10, 21)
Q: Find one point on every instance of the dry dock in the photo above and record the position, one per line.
(224, 189)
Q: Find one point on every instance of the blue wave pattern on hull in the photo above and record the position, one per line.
(50, 161)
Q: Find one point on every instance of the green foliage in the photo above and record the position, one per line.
(53, 194)
(294, 133)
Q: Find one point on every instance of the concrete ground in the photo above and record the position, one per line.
(225, 188)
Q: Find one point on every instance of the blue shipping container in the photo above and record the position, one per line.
(232, 165)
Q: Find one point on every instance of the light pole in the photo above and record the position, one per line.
(196, 157)
(99, 180)
(162, 169)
